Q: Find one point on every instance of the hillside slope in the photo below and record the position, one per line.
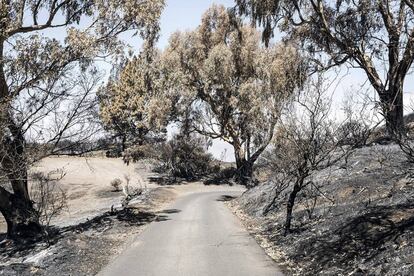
(362, 222)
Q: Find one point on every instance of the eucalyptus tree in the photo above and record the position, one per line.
(233, 83)
(376, 36)
(42, 44)
(133, 106)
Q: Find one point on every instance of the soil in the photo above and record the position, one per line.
(362, 223)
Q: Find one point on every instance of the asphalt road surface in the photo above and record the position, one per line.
(198, 236)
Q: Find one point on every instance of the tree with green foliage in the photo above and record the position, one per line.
(133, 107)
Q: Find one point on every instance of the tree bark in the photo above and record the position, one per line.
(17, 208)
(244, 174)
(21, 218)
(291, 204)
(14, 161)
(394, 111)
(123, 143)
(3, 84)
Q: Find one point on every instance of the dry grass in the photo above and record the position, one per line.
(86, 180)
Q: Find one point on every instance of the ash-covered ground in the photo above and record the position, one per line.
(85, 248)
(361, 223)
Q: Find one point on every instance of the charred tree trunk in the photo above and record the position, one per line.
(17, 208)
(271, 206)
(291, 203)
(245, 163)
(244, 174)
(123, 143)
(393, 108)
(22, 219)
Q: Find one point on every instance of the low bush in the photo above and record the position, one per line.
(221, 176)
(49, 199)
(354, 133)
(183, 157)
(116, 184)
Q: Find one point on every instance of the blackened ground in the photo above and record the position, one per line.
(363, 225)
(85, 248)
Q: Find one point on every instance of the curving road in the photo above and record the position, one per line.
(198, 236)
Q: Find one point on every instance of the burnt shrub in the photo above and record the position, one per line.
(221, 176)
(354, 133)
(50, 200)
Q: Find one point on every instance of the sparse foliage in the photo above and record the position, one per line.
(375, 36)
(49, 199)
(360, 122)
(305, 143)
(220, 175)
(406, 143)
(183, 157)
(354, 132)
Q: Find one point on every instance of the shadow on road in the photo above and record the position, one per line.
(162, 218)
(127, 217)
(169, 211)
(161, 215)
(225, 198)
(168, 180)
(132, 216)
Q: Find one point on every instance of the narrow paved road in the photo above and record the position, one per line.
(198, 236)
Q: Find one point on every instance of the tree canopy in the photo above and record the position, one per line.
(133, 106)
(234, 84)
